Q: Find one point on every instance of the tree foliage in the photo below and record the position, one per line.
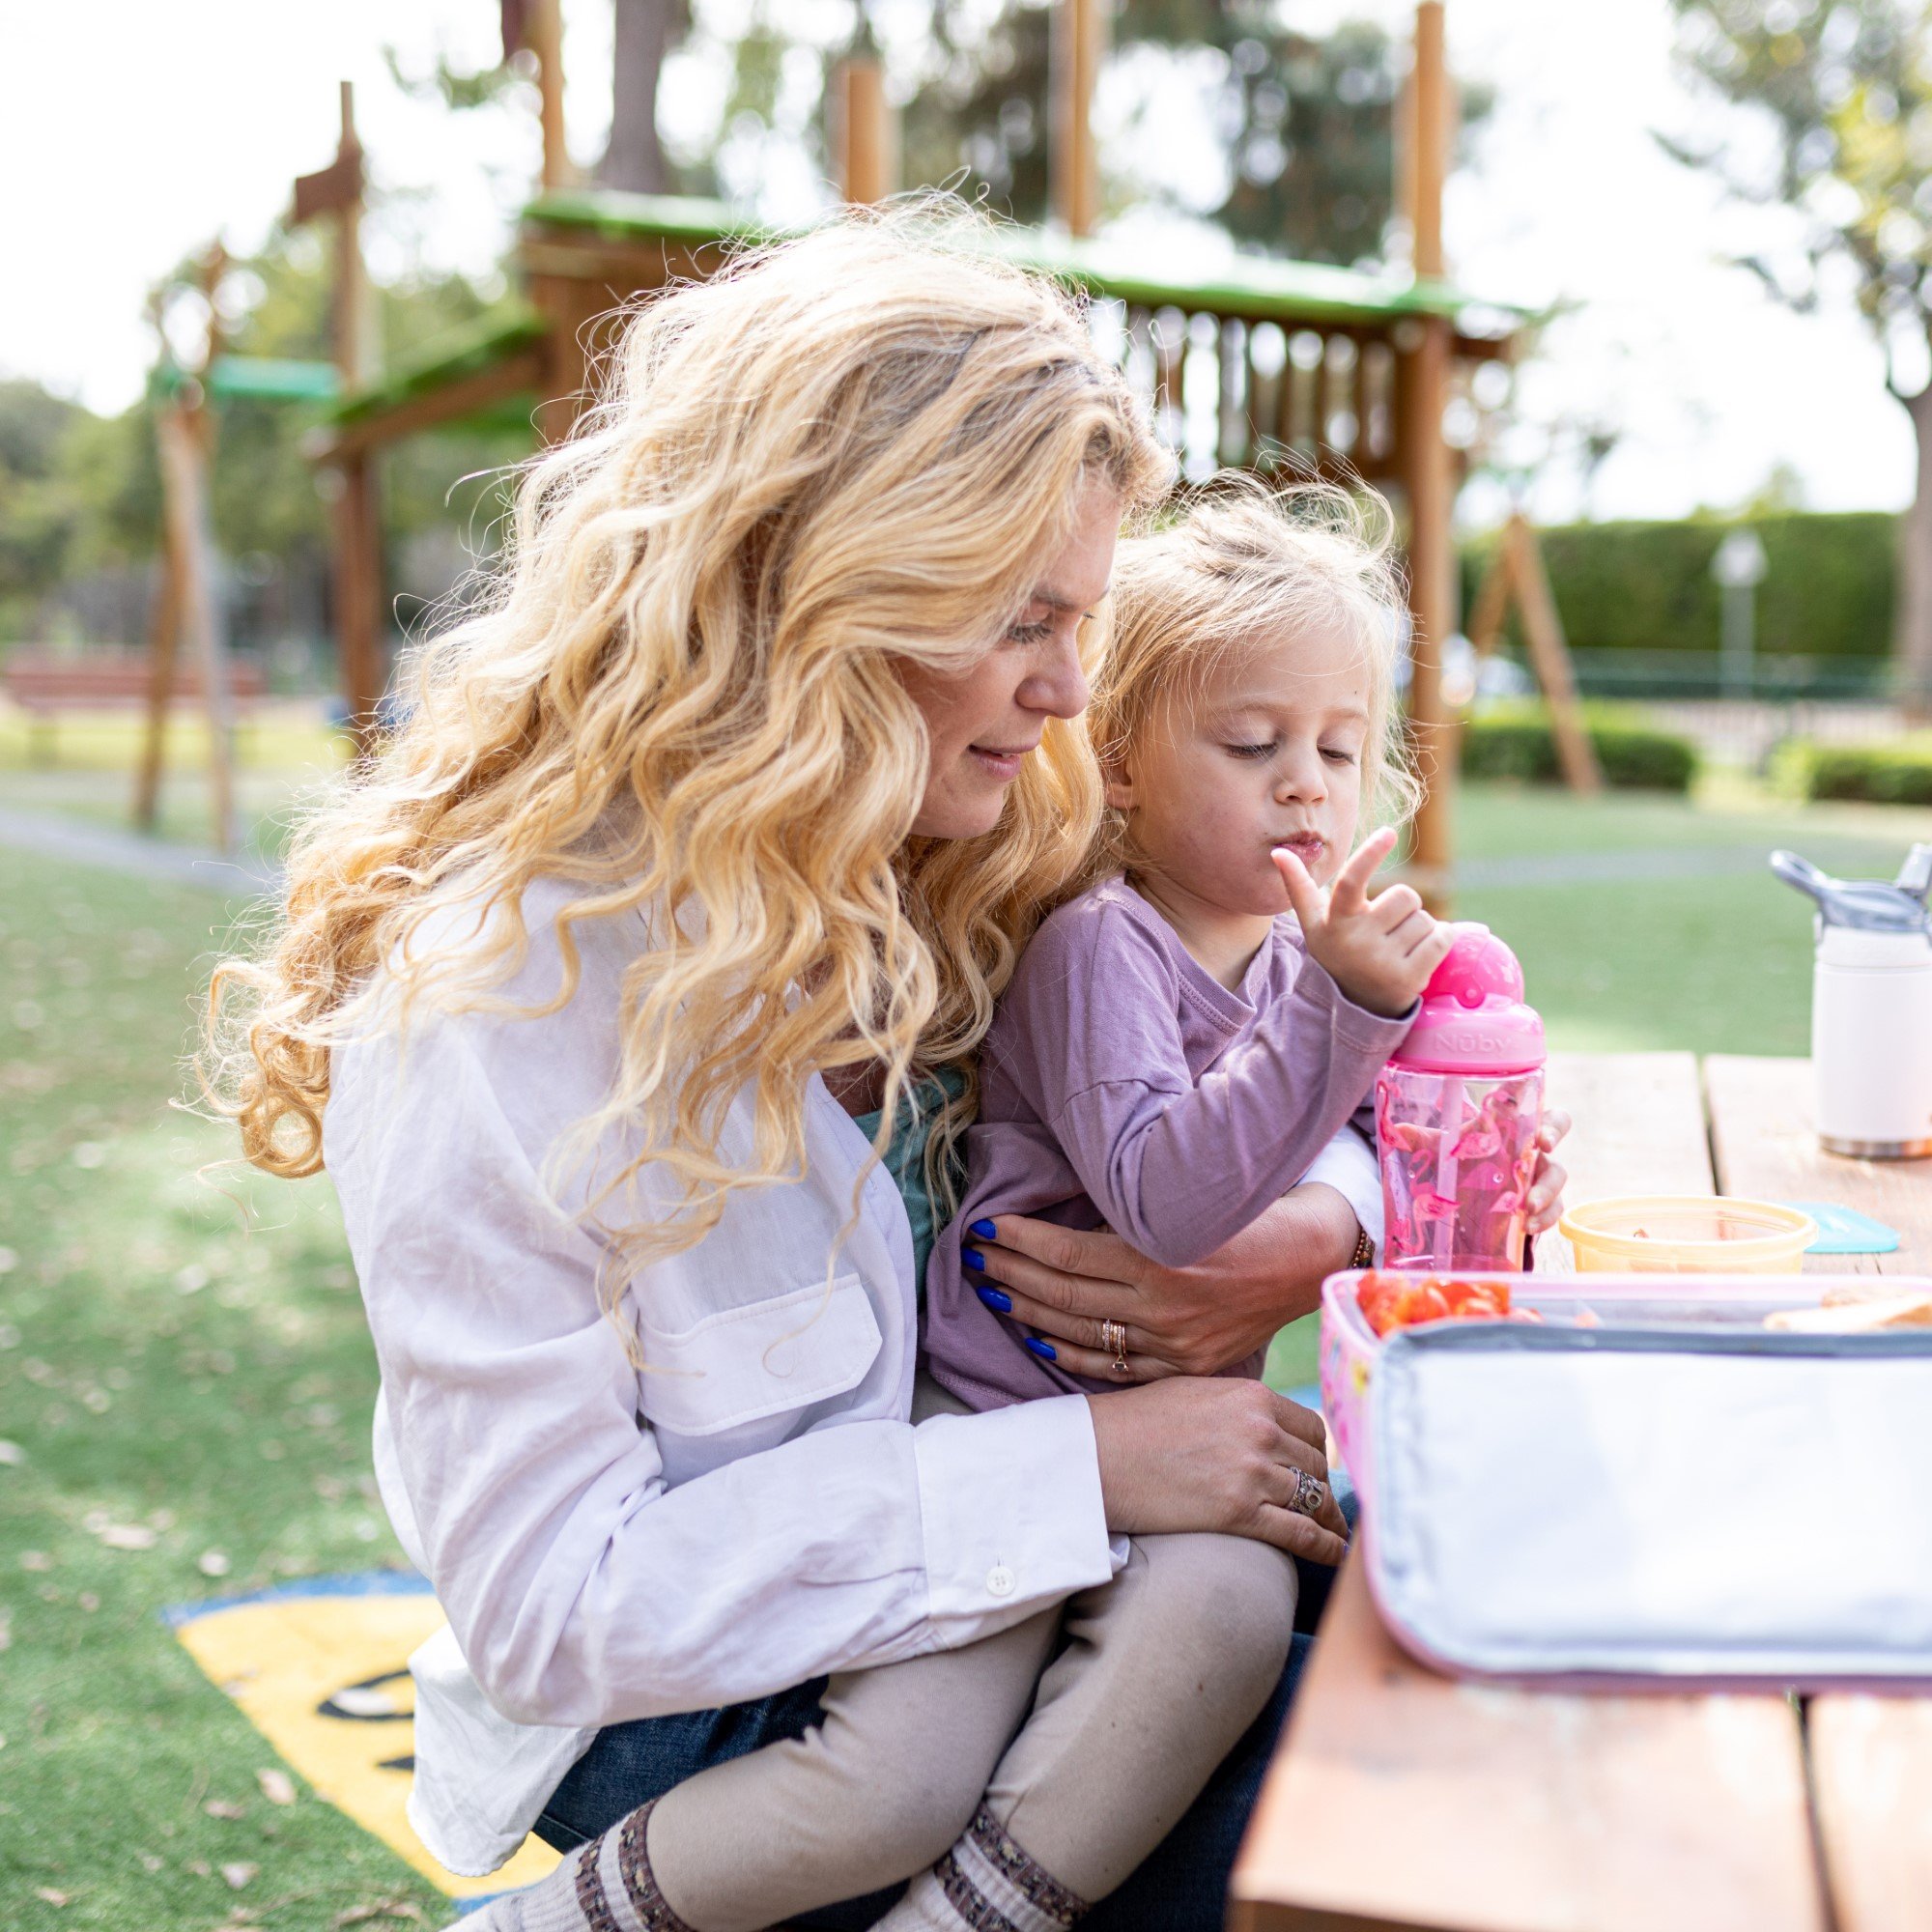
(1835, 124)
(1303, 125)
(80, 492)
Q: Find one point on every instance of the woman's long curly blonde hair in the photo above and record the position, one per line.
(679, 695)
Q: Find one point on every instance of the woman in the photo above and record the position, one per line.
(720, 826)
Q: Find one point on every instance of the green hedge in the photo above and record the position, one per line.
(1828, 588)
(1516, 742)
(1899, 773)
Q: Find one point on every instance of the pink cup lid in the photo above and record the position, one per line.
(1473, 1019)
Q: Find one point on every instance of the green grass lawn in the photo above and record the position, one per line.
(282, 736)
(167, 1364)
(1713, 963)
(164, 1364)
(281, 756)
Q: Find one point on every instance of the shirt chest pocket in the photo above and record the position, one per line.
(760, 1359)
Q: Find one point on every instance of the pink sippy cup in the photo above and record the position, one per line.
(1457, 1110)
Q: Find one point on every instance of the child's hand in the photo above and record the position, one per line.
(1549, 1177)
(1379, 951)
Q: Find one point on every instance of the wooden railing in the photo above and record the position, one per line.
(1227, 390)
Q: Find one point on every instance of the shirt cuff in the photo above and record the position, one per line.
(1381, 1033)
(1346, 1165)
(1011, 1514)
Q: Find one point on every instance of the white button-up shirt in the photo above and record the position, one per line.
(751, 1510)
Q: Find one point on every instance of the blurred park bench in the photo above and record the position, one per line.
(46, 684)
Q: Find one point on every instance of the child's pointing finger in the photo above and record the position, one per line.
(1308, 900)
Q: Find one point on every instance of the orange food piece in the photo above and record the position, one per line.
(1390, 1300)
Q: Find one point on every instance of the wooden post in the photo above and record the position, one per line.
(865, 131)
(184, 501)
(1430, 116)
(1079, 41)
(358, 543)
(570, 306)
(543, 35)
(1550, 654)
(169, 613)
(1423, 349)
(164, 625)
(358, 561)
(1518, 569)
(359, 592)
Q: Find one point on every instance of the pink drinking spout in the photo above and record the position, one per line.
(1473, 1019)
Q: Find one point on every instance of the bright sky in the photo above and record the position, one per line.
(135, 133)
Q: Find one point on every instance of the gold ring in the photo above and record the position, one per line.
(1113, 1339)
(1309, 1494)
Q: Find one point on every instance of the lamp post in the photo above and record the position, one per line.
(1739, 568)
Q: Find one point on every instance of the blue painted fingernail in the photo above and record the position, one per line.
(1044, 1350)
(973, 1259)
(985, 1230)
(993, 1298)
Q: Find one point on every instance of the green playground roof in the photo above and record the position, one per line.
(264, 379)
(467, 353)
(273, 380)
(1260, 286)
(1254, 287)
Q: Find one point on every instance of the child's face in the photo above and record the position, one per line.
(1265, 751)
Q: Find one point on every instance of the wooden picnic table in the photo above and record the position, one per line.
(1403, 1798)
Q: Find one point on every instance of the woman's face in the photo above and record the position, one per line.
(983, 722)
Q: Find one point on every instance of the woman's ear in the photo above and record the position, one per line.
(1119, 785)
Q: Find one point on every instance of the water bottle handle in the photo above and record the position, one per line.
(1802, 873)
(1914, 876)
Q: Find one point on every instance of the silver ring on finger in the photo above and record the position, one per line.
(1113, 1341)
(1309, 1494)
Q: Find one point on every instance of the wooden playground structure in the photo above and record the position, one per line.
(1338, 372)
(187, 604)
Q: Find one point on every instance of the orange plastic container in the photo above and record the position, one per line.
(1686, 1234)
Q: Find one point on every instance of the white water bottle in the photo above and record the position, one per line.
(1871, 1009)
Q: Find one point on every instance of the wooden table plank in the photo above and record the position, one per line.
(1768, 1149)
(1638, 1120)
(1403, 1798)
(1871, 1769)
(1871, 1757)
(1639, 1124)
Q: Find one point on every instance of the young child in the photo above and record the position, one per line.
(1172, 1055)
(1172, 1051)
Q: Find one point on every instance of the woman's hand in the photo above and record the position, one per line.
(1063, 1283)
(1219, 1455)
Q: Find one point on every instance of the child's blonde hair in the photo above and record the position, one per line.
(1243, 564)
(680, 697)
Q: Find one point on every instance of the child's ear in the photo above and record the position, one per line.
(1118, 785)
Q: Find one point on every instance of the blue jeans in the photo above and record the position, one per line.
(1182, 1886)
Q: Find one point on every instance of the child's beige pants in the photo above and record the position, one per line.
(1162, 1670)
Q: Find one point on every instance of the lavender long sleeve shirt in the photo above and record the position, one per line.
(1122, 1086)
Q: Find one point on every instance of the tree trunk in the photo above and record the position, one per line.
(645, 31)
(1911, 634)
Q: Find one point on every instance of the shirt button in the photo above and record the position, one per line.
(1000, 1580)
